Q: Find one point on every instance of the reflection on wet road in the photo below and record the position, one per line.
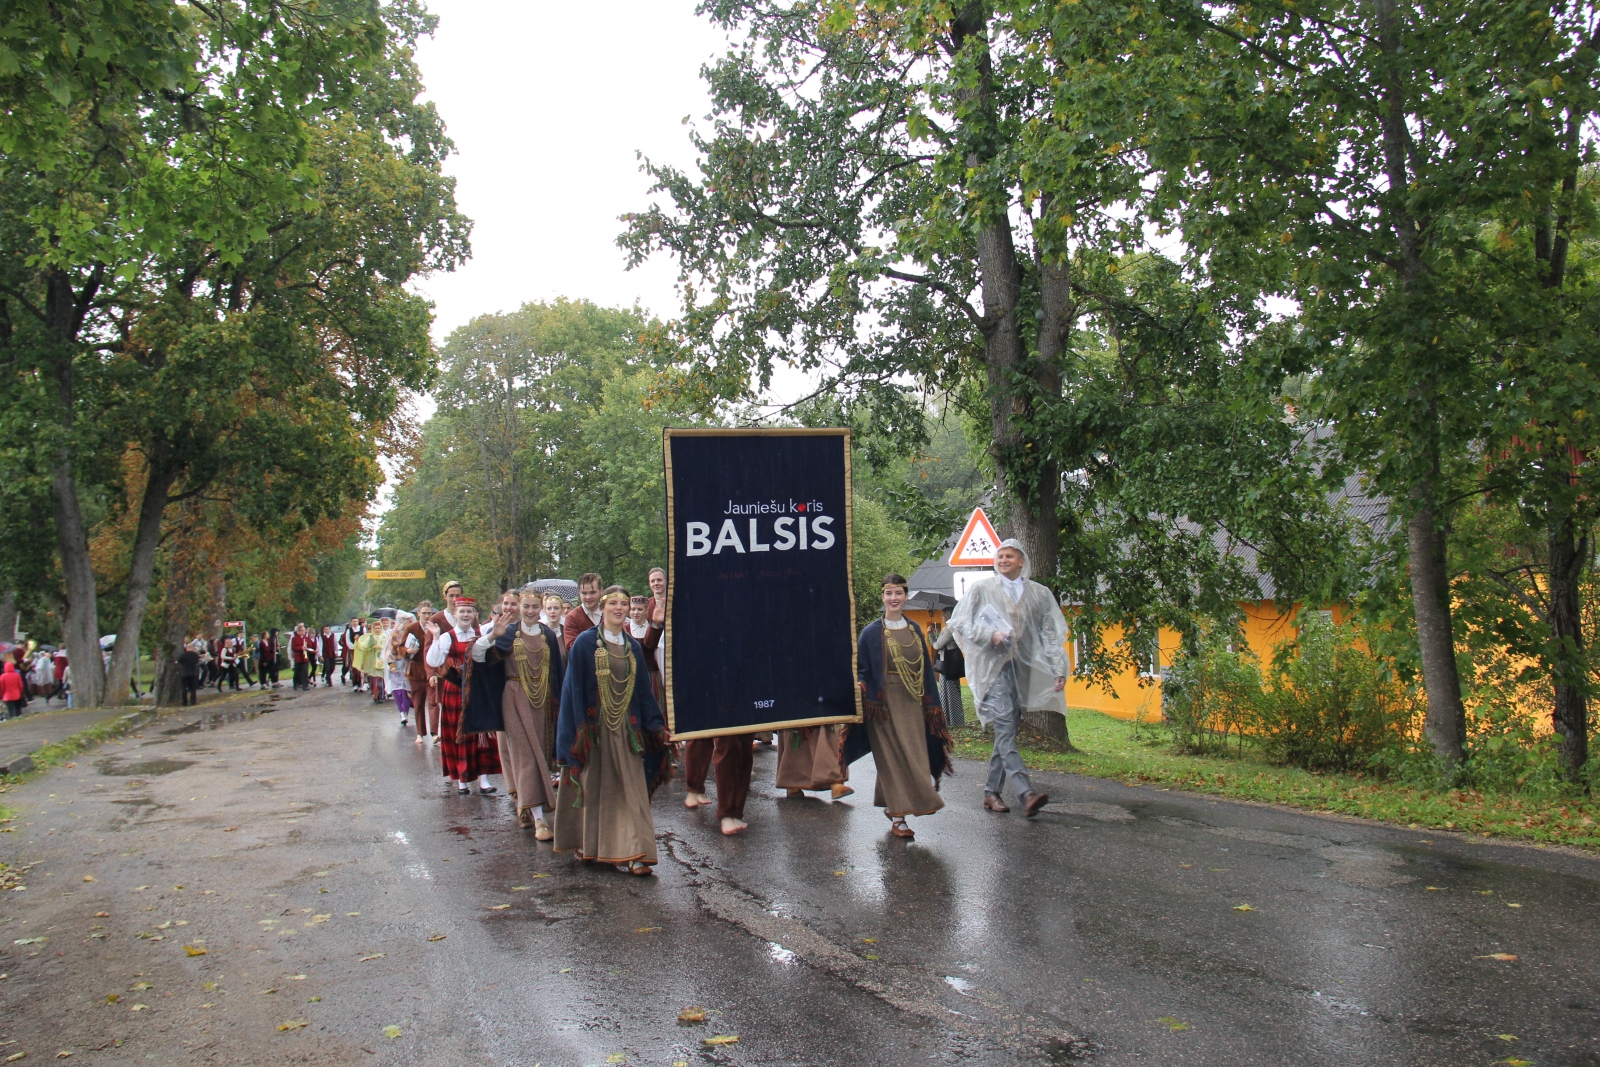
(1123, 925)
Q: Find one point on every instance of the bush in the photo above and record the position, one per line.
(1211, 694)
(1327, 703)
(1332, 705)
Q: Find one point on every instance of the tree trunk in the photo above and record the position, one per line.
(146, 538)
(1568, 554)
(1446, 723)
(80, 618)
(1027, 479)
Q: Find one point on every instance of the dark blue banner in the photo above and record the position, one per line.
(760, 610)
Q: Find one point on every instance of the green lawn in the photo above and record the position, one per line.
(1112, 748)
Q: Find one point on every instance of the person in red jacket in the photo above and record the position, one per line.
(11, 690)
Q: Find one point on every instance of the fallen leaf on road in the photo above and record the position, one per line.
(164, 926)
(274, 989)
(64, 1054)
(142, 888)
(374, 956)
(1435, 888)
(436, 937)
(617, 1057)
(313, 1000)
(194, 950)
(30, 940)
(139, 1007)
(112, 998)
(15, 1056)
(1485, 892)
(391, 1031)
(209, 987)
(297, 978)
(1185, 866)
(320, 889)
(1243, 907)
(1506, 1037)
(1517, 1063)
(177, 887)
(539, 875)
(319, 874)
(566, 970)
(870, 940)
(645, 929)
(498, 907)
(102, 915)
(838, 874)
(520, 888)
(721, 1039)
(293, 1024)
(1513, 905)
(321, 918)
(138, 987)
(1173, 1024)
(1503, 957)
(88, 878)
(869, 957)
(230, 829)
(692, 1015)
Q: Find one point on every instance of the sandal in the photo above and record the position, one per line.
(542, 831)
(639, 868)
(899, 829)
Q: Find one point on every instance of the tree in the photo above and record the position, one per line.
(237, 309)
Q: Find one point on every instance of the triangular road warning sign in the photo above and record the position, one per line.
(978, 543)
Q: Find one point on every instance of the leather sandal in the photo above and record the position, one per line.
(542, 831)
(796, 793)
(641, 869)
(840, 791)
(901, 830)
(991, 802)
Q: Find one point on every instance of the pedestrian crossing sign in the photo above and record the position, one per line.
(977, 544)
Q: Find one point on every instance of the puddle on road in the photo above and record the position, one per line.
(146, 768)
(214, 720)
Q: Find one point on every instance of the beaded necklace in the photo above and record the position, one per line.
(537, 685)
(906, 660)
(615, 696)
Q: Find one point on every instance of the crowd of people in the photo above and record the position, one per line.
(39, 672)
(565, 702)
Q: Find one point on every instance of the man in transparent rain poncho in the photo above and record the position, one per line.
(1012, 634)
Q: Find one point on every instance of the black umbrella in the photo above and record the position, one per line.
(45, 648)
(928, 600)
(383, 613)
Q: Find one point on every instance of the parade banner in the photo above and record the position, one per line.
(760, 627)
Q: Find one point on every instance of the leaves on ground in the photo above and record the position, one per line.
(436, 937)
(1517, 1063)
(391, 1031)
(112, 998)
(102, 915)
(617, 1057)
(1173, 1024)
(15, 1056)
(194, 950)
(140, 1007)
(374, 956)
(498, 907)
(1506, 1037)
(646, 929)
(138, 986)
(721, 1039)
(692, 1015)
(520, 888)
(293, 1024)
(1243, 907)
(1503, 957)
(30, 940)
(869, 957)
(1509, 905)
(870, 940)
(320, 918)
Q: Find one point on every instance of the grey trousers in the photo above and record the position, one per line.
(1002, 707)
(955, 712)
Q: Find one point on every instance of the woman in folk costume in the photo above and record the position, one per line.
(904, 729)
(465, 756)
(527, 654)
(613, 743)
(809, 759)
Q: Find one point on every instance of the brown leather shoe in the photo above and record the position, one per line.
(1033, 802)
(901, 830)
(994, 803)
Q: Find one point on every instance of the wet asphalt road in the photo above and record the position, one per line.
(311, 853)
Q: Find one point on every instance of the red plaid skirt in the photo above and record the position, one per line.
(475, 754)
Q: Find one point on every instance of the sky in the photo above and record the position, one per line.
(549, 105)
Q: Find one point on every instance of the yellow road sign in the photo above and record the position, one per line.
(379, 576)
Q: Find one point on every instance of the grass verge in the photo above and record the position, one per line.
(1114, 749)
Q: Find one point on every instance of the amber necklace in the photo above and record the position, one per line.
(615, 696)
(906, 661)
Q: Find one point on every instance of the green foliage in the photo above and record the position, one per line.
(544, 457)
(1326, 703)
(879, 545)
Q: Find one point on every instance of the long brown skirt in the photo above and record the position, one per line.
(809, 758)
(900, 752)
(614, 823)
(522, 750)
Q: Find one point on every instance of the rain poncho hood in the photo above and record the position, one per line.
(1038, 634)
